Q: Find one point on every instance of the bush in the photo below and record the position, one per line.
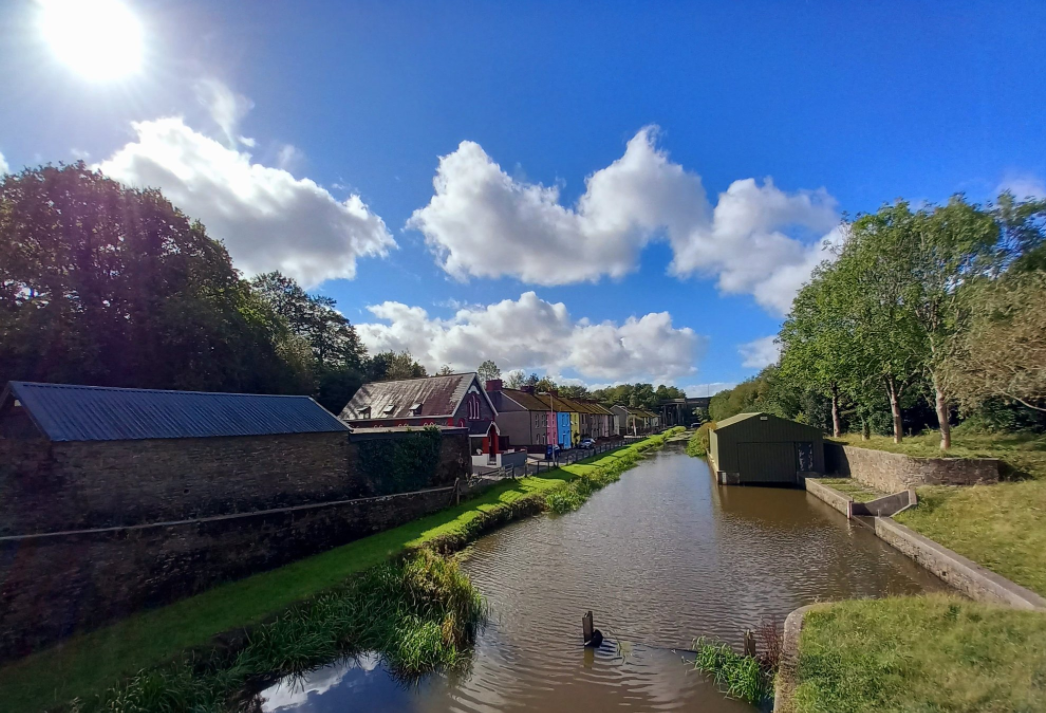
(700, 443)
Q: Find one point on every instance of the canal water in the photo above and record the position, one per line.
(660, 557)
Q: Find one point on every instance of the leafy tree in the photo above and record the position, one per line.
(514, 379)
(488, 371)
(574, 391)
(390, 366)
(101, 284)
(445, 370)
(1003, 352)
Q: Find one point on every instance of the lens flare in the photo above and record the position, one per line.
(99, 39)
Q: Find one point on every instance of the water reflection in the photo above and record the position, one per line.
(661, 557)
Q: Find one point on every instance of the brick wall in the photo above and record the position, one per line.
(893, 472)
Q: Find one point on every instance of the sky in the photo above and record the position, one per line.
(605, 192)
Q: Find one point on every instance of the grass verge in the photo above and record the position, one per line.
(699, 443)
(920, 654)
(1001, 527)
(418, 612)
(849, 486)
(89, 663)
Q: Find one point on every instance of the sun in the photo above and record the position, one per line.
(99, 39)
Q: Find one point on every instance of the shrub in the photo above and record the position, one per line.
(700, 443)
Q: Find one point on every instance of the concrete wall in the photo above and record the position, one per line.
(837, 500)
(893, 472)
(968, 577)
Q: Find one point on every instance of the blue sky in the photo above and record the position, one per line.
(830, 107)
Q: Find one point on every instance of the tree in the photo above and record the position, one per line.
(488, 371)
(391, 366)
(445, 370)
(574, 391)
(514, 379)
(106, 285)
(1003, 351)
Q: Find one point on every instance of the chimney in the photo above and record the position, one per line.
(554, 392)
(494, 385)
(527, 389)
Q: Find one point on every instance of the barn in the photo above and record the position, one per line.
(762, 449)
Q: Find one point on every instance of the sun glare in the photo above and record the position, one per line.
(100, 39)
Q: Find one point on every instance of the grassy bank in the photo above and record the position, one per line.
(1003, 526)
(699, 443)
(849, 486)
(89, 663)
(930, 653)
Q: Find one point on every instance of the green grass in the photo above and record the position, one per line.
(736, 675)
(920, 655)
(848, 486)
(88, 663)
(698, 445)
(1001, 527)
(419, 612)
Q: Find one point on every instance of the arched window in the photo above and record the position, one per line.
(473, 407)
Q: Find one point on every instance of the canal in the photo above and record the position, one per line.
(661, 557)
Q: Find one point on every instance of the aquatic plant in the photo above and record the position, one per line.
(738, 676)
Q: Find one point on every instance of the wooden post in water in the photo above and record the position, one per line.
(586, 627)
(749, 643)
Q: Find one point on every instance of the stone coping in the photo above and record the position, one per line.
(785, 681)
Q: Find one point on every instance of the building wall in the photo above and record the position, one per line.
(753, 431)
(516, 425)
(179, 516)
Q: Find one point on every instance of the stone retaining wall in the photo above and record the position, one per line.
(53, 585)
(893, 472)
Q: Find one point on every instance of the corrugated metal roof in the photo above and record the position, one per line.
(66, 412)
(439, 397)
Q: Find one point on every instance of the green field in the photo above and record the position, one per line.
(920, 654)
(90, 662)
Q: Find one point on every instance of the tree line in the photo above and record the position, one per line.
(105, 285)
(926, 316)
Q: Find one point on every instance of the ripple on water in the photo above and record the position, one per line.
(660, 557)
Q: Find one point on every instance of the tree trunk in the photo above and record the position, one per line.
(866, 430)
(835, 411)
(895, 409)
(943, 414)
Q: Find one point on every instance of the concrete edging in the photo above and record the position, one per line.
(785, 681)
(970, 578)
(842, 503)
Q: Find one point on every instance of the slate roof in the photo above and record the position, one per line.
(439, 396)
(531, 402)
(66, 412)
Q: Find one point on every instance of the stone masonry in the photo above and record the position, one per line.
(893, 472)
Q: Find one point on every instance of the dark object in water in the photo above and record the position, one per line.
(597, 639)
(592, 636)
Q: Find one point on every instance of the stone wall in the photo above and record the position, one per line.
(93, 531)
(893, 472)
(53, 585)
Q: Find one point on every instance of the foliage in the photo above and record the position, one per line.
(419, 613)
(738, 676)
(488, 371)
(700, 443)
(1003, 352)
(390, 366)
(102, 284)
(928, 653)
(400, 465)
(637, 395)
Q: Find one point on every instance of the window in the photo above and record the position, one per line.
(365, 411)
(473, 407)
(389, 409)
(415, 410)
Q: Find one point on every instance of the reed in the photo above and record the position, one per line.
(738, 676)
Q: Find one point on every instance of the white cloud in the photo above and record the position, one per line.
(268, 219)
(4, 168)
(483, 222)
(1024, 186)
(530, 333)
(759, 353)
(227, 109)
(710, 389)
(289, 157)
